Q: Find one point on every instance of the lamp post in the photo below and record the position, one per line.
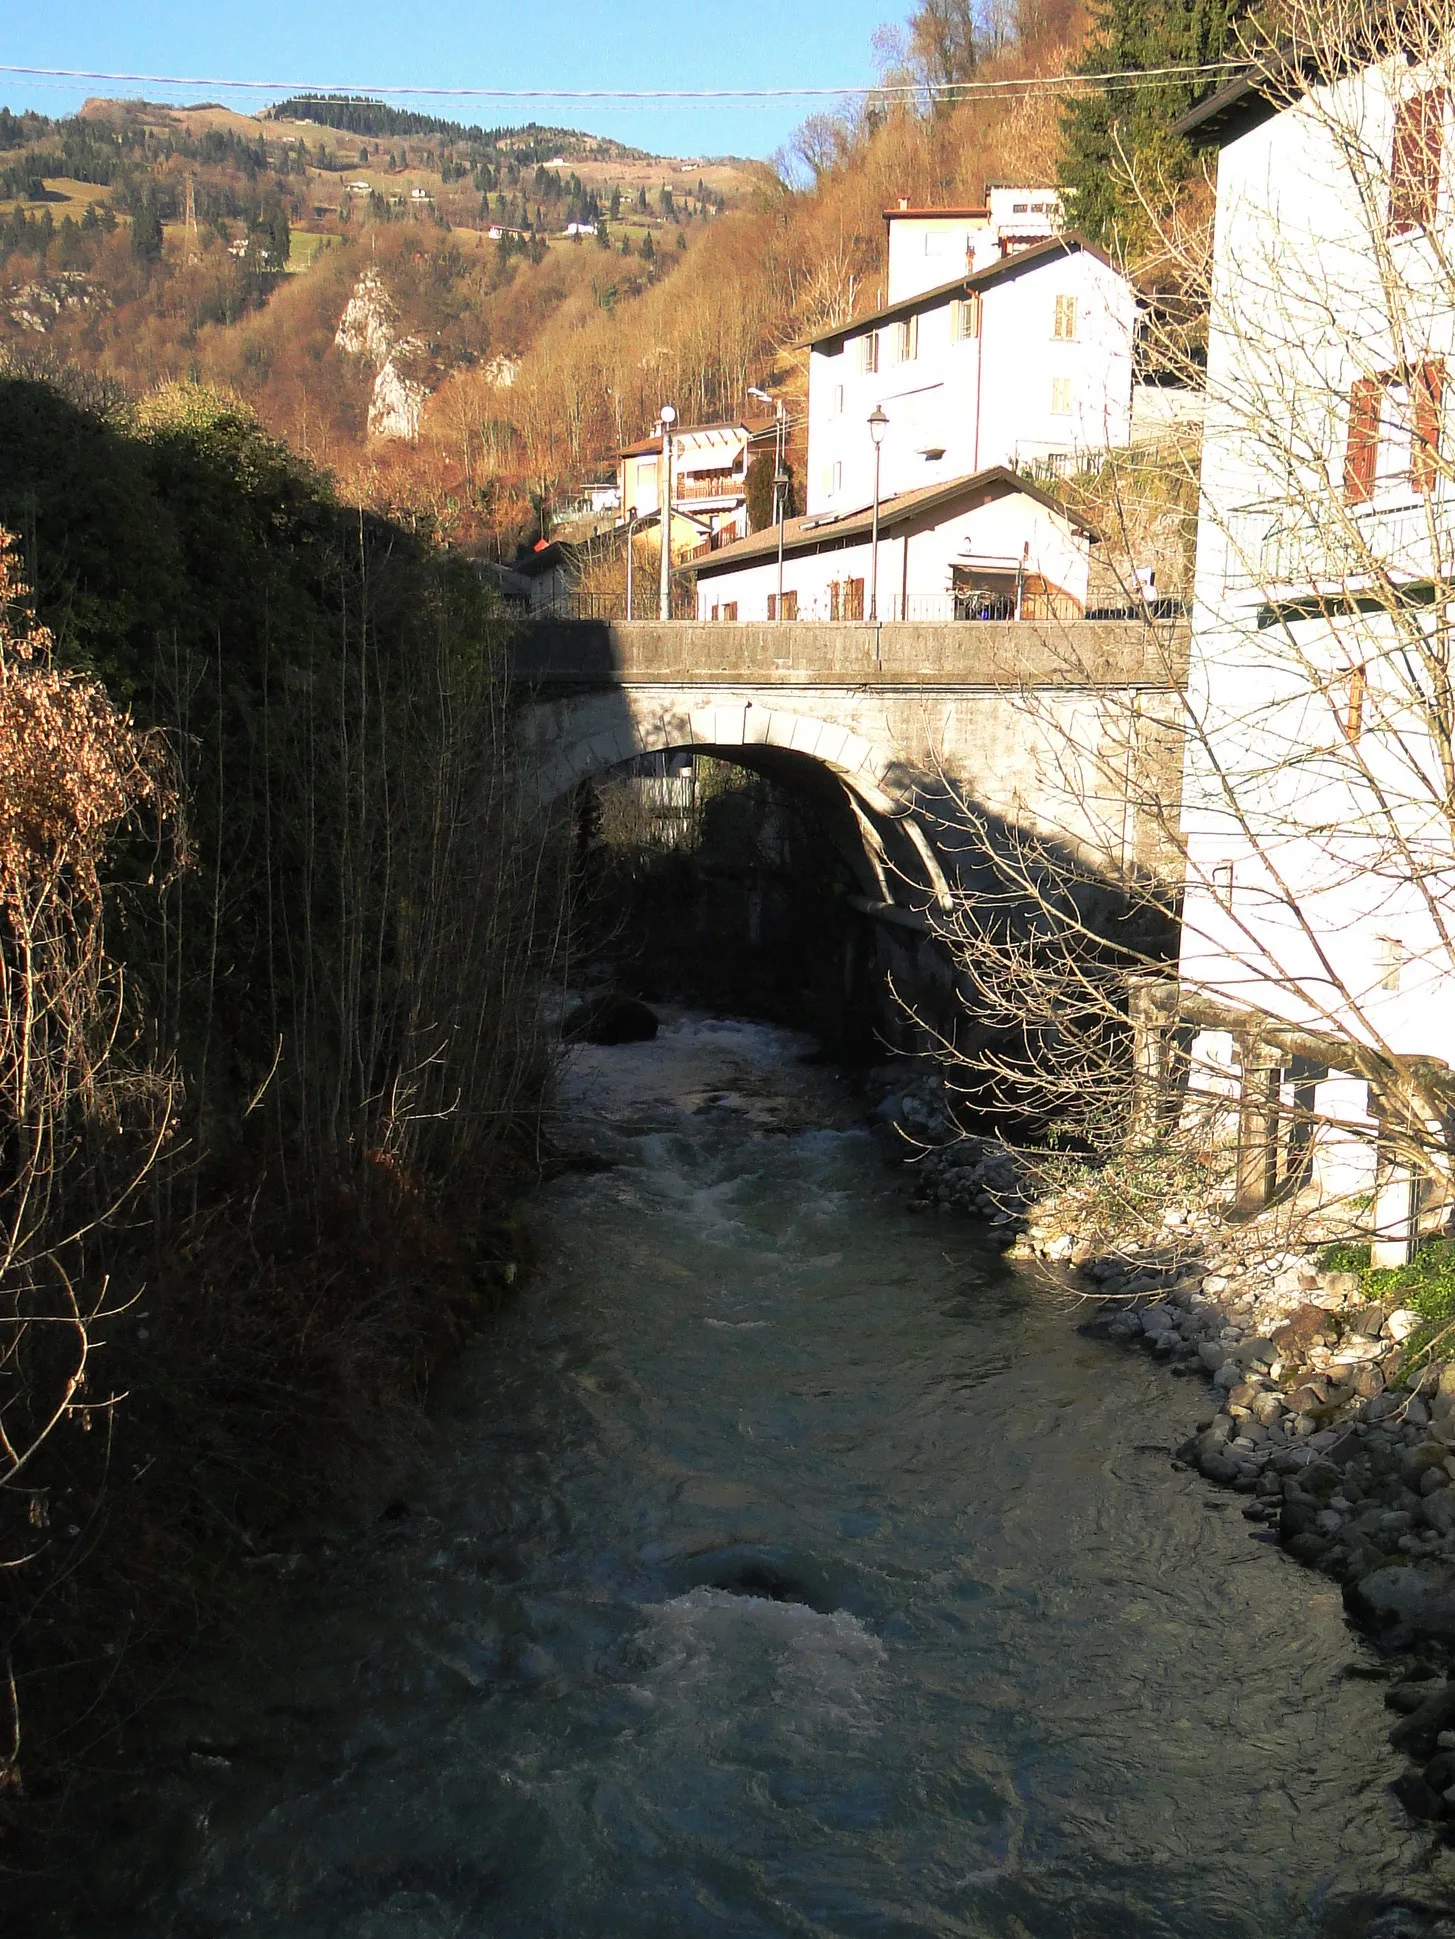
(878, 425)
(664, 513)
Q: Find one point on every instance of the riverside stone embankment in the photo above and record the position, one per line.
(1311, 1403)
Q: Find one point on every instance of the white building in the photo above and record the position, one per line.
(1318, 791)
(989, 547)
(709, 476)
(1028, 358)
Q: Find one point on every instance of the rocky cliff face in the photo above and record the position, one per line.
(369, 330)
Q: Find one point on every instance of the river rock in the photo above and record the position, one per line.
(1404, 1602)
(1305, 1327)
(609, 1019)
(1401, 1324)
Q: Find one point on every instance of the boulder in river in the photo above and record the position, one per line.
(1404, 1602)
(610, 1019)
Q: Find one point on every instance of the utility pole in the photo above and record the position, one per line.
(780, 476)
(664, 513)
(780, 490)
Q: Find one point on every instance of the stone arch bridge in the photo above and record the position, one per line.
(939, 755)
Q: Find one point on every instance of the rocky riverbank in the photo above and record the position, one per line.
(1313, 1401)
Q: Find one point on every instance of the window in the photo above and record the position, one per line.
(965, 318)
(836, 476)
(730, 609)
(1064, 326)
(1063, 397)
(836, 401)
(904, 340)
(784, 608)
(1394, 431)
(869, 352)
(1415, 161)
(1390, 960)
(846, 599)
(1222, 884)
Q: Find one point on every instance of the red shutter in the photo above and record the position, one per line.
(1414, 164)
(1361, 455)
(1427, 398)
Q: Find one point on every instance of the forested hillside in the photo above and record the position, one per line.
(540, 293)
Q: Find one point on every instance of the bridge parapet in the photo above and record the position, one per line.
(1089, 653)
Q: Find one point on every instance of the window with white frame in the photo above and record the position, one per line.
(836, 400)
(868, 350)
(1390, 959)
(836, 476)
(904, 340)
(965, 318)
(1063, 397)
(1064, 325)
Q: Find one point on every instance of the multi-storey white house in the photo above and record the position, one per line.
(1030, 357)
(1319, 802)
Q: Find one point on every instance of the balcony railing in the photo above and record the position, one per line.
(686, 489)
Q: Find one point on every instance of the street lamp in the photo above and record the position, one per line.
(878, 425)
(668, 418)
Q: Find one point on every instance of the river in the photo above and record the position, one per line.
(788, 1564)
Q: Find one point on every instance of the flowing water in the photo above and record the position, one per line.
(793, 1567)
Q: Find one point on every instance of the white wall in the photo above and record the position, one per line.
(1272, 787)
(926, 251)
(916, 568)
(984, 401)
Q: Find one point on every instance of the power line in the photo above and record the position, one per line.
(951, 90)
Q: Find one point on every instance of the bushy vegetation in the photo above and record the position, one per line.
(311, 1056)
(1120, 149)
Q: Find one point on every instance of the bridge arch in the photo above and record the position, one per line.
(877, 796)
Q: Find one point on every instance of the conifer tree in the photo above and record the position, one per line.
(1116, 134)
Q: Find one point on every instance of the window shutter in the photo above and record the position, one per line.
(1427, 399)
(1361, 455)
(1415, 159)
(833, 599)
(853, 599)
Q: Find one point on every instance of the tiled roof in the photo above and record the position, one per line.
(822, 528)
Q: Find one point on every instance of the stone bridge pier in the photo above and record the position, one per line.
(946, 761)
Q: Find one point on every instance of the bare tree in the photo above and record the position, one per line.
(1314, 832)
(80, 1121)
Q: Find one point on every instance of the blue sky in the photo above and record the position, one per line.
(569, 44)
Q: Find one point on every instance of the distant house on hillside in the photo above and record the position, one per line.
(992, 546)
(580, 229)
